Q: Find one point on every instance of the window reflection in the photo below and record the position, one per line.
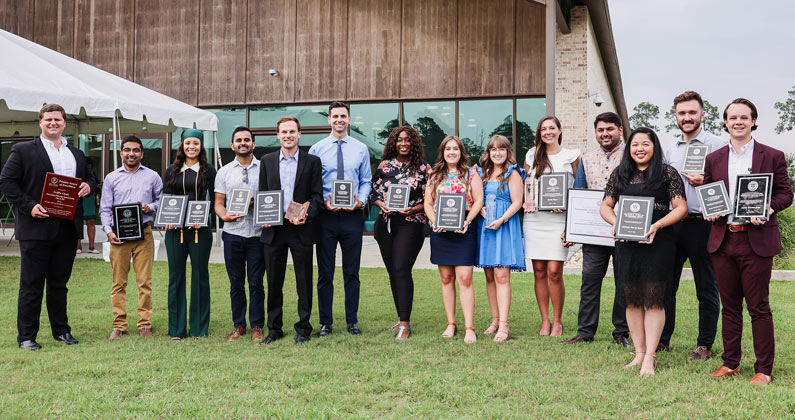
(433, 120)
(528, 112)
(308, 115)
(267, 144)
(479, 120)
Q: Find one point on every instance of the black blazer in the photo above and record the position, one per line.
(22, 181)
(308, 187)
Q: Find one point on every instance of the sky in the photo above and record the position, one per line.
(723, 49)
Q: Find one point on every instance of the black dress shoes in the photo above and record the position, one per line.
(622, 341)
(270, 339)
(67, 339)
(301, 339)
(29, 345)
(354, 329)
(324, 330)
(578, 339)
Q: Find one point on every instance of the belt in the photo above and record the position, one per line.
(738, 228)
(148, 224)
(694, 216)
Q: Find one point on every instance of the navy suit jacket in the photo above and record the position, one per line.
(765, 239)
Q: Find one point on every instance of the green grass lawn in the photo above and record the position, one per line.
(372, 376)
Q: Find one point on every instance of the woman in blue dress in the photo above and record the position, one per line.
(500, 235)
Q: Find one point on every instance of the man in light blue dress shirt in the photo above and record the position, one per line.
(343, 158)
(692, 232)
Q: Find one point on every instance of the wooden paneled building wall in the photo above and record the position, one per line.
(218, 52)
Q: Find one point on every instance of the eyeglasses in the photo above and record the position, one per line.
(128, 150)
(245, 175)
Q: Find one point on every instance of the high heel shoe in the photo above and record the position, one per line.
(502, 333)
(470, 338)
(450, 334)
(492, 327)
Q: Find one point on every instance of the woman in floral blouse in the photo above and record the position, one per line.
(454, 252)
(400, 232)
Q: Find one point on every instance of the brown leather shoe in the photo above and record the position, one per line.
(724, 372)
(578, 339)
(116, 333)
(239, 332)
(663, 347)
(761, 379)
(701, 353)
(256, 333)
(145, 332)
(622, 341)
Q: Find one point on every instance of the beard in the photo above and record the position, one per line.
(247, 153)
(695, 128)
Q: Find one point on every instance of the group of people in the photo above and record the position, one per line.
(731, 258)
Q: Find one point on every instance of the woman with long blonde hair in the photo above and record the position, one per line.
(455, 252)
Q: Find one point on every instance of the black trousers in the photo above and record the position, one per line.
(344, 228)
(595, 259)
(275, 266)
(691, 243)
(399, 247)
(45, 263)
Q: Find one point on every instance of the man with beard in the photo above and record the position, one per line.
(343, 158)
(243, 251)
(46, 244)
(594, 170)
(693, 231)
(132, 183)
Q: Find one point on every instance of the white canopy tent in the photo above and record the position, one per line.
(96, 101)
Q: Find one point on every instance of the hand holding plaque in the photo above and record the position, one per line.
(127, 222)
(60, 195)
(397, 197)
(268, 208)
(198, 213)
(752, 196)
(342, 195)
(296, 211)
(633, 217)
(238, 201)
(695, 159)
(552, 191)
(449, 209)
(714, 199)
(171, 211)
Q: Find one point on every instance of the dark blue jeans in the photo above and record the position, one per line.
(345, 228)
(242, 255)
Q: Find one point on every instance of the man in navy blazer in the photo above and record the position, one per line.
(47, 245)
(743, 251)
(298, 175)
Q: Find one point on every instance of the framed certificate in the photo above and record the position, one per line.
(695, 158)
(171, 210)
(397, 197)
(199, 213)
(450, 211)
(714, 199)
(552, 190)
(634, 217)
(59, 195)
(127, 224)
(238, 200)
(268, 207)
(752, 196)
(342, 195)
(584, 222)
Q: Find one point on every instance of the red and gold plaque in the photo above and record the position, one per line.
(59, 196)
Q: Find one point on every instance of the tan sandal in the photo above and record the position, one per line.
(447, 334)
(492, 327)
(470, 338)
(503, 333)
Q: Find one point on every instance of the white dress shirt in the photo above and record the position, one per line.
(62, 159)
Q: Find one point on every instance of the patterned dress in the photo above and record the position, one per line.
(450, 248)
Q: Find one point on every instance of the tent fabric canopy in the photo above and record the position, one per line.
(32, 75)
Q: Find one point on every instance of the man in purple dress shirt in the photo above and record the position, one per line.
(132, 183)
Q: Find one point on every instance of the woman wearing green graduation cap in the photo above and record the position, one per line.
(190, 175)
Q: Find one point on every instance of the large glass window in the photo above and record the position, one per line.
(228, 120)
(308, 115)
(528, 112)
(91, 145)
(371, 124)
(479, 120)
(433, 120)
(267, 144)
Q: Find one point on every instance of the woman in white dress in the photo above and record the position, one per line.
(542, 229)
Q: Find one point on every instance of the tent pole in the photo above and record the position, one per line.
(115, 143)
(218, 165)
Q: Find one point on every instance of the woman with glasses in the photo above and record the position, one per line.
(189, 175)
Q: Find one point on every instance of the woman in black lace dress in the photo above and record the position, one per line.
(645, 268)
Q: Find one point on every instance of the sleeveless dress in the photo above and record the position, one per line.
(450, 248)
(542, 229)
(645, 270)
(502, 247)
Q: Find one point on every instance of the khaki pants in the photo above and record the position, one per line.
(143, 253)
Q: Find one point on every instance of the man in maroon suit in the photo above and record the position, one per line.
(742, 251)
